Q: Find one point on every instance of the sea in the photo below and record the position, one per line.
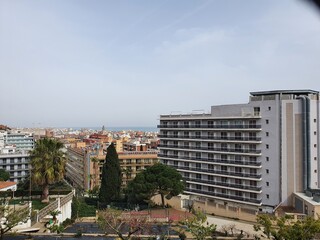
(117, 129)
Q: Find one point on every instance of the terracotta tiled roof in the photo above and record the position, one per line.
(3, 127)
(7, 184)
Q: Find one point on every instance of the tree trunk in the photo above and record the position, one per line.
(162, 199)
(45, 193)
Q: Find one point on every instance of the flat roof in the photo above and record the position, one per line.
(273, 92)
(307, 199)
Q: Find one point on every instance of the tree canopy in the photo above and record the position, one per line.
(111, 178)
(125, 225)
(157, 179)
(285, 228)
(47, 163)
(11, 218)
(198, 226)
(4, 175)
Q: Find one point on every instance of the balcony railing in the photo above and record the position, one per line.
(227, 196)
(224, 184)
(256, 139)
(233, 126)
(238, 150)
(219, 172)
(226, 161)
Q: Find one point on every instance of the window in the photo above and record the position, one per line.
(269, 108)
(224, 135)
(315, 158)
(210, 178)
(267, 195)
(314, 120)
(199, 187)
(267, 134)
(267, 159)
(253, 195)
(238, 181)
(267, 183)
(267, 121)
(223, 168)
(267, 146)
(198, 176)
(256, 111)
(198, 165)
(315, 145)
(198, 135)
(186, 164)
(315, 133)
(237, 135)
(315, 171)
(267, 171)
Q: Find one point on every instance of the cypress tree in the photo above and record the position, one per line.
(111, 178)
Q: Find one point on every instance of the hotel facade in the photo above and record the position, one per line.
(247, 158)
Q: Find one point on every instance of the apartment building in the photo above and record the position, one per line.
(23, 141)
(247, 158)
(84, 165)
(134, 162)
(16, 162)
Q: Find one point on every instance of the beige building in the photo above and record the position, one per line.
(84, 165)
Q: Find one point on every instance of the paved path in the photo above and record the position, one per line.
(246, 227)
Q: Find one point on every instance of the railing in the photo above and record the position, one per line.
(226, 196)
(234, 162)
(233, 126)
(47, 209)
(224, 184)
(238, 150)
(228, 173)
(54, 205)
(66, 199)
(211, 137)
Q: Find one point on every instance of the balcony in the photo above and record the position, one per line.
(226, 196)
(215, 160)
(214, 149)
(216, 138)
(225, 184)
(217, 126)
(219, 172)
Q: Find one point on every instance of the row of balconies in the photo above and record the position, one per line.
(219, 149)
(219, 172)
(226, 196)
(226, 161)
(208, 137)
(219, 126)
(225, 184)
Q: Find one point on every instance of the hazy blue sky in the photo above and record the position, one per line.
(123, 63)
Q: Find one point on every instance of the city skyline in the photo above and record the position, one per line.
(81, 63)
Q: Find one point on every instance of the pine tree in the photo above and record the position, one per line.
(111, 178)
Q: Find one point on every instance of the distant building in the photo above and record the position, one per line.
(243, 159)
(20, 140)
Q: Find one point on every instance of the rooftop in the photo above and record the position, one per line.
(6, 184)
(273, 92)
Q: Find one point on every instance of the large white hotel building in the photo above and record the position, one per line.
(250, 157)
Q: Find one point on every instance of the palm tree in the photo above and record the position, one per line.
(47, 163)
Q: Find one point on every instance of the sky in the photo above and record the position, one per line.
(123, 63)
